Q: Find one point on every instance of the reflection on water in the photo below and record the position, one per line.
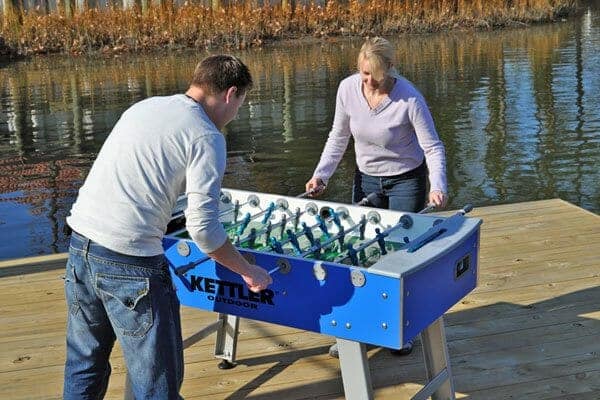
(518, 112)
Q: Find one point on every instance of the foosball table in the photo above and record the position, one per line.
(359, 274)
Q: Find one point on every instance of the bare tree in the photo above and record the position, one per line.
(12, 12)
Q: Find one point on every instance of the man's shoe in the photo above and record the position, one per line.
(406, 350)
(333, 351)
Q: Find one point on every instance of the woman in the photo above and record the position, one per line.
(397, 147)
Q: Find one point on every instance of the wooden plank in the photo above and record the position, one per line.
(52, 260)
(548, 293)
(579, 386)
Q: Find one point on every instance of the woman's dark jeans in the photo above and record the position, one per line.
(404, 192)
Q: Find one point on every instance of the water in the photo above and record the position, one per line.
(518, 111)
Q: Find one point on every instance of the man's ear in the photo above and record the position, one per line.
(229, 93)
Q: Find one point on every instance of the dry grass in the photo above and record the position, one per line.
(245, 24)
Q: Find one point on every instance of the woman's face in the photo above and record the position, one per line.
(366, 74)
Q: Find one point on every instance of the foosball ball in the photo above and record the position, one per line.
(362, 275)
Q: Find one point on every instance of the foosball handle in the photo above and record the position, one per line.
(369, 201)
(429, 207)
(467, 209)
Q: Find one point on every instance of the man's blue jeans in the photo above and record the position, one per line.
(405, 192)
(114, 296)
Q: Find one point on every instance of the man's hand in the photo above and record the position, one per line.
(257, 278)
(438, 198)
(315, 186)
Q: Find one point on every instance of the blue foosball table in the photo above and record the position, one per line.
(359, 274)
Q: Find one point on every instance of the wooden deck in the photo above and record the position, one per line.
(531, 330)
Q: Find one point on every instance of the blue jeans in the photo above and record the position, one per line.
(404, 192)
(114, 296)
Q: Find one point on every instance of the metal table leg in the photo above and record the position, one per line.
(440, 384)
(355, 370)
(226, 343)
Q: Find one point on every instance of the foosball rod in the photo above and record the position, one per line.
(306, 230)
(283, 221)
(429, 207)
(436, 230)
(339, 235)
(271, 272)
(241, 225)
(252, 199)
(404, 222)
(267, 229)
(308, 192)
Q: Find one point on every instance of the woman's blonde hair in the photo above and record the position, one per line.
(380, 54)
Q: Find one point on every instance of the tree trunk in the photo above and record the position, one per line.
(12, 12)
(69, 8)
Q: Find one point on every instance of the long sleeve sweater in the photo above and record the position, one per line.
(389, 140)
(159, 148)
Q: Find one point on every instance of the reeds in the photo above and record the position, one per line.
(244, 24)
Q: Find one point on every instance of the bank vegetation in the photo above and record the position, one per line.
(77, 28)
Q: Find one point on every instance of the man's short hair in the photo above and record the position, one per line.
(219, 72)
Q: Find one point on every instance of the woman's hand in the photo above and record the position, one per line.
(438, 198)
(315, 186)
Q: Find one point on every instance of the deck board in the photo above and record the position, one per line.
(529, 331)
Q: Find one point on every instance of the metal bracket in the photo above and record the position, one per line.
(253, 200)
(342, 212)
(183, 248)
(373, 217)
(358, 278)
(311, 209)
(282, 204)
(319, 271)
(283, 265)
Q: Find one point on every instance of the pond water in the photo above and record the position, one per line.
(518, 111)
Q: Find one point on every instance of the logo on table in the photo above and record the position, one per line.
(232, 293)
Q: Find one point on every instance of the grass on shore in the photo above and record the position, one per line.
(245, 23)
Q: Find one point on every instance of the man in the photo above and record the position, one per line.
(117, 280)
